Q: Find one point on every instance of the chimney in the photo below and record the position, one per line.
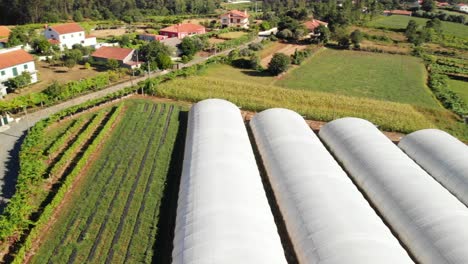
(245, 11)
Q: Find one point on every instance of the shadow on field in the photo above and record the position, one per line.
(162, 247)
(11, 172)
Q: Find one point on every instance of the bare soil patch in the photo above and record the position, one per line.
(287, 49)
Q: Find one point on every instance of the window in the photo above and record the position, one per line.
(15, 72)
(63, 37)
(3, 73)
(72, 35)
(50, 29)
(80, 34)
(25, 66)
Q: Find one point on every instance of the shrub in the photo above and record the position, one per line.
(256, 46)
(279, 63)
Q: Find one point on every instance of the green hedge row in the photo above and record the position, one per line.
(50, 208)
(450, 100)
(60, 141)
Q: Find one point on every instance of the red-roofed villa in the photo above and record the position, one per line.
(67, 35)
(14, 62)
(397, 12)
(123, 55)
(151, 37)
(462, 7)
(181, 31)
(235, 18)
(313, 24)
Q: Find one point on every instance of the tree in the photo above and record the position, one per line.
(151, 50)
(69, 63)
(356, 38)
(112, 64)
(77, 16)
(434, 24)
(411, 30)
(324, 34)
(254, 62)
(164, 61)
(284, 34)
(19, 81)
(188, 47)
(17, 37)
(279, 63)
(428, 5)
(41, 45)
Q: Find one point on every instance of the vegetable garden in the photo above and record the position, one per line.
(113, 214)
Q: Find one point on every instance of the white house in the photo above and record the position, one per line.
(13, 62)
(67, 35)
(462, 7)
(235, 18)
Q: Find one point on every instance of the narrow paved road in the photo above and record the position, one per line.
(11, 139)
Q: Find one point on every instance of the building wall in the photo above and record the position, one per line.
(234, 21)
(10, 72)
(68, 40)
(90, 41)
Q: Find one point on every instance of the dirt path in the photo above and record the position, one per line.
(288, 49)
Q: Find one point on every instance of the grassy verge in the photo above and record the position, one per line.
(460, 88)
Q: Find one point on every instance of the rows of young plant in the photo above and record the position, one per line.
(57, 199)
(117, 216)
(65, 137)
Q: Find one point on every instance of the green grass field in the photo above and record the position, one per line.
(400, 22)
(232, 35)
(460, 88)
(113, 213)
(386, 77)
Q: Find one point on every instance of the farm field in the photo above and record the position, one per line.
(112, 215)
(460, 88)
(232, 35)
(386, 77)
(396, 22)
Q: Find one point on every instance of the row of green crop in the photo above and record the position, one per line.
(15, 218)
(448, 69)
(50, 208)
(65, 137)
(73, 224)
(70, 152)
(91, 228)
(235, 42)
(449, 99)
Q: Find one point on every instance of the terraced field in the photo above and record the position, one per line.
(112, 215)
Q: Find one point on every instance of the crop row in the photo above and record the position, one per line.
(118, 206)
(67, 183)
(74, 128)
(69, 154)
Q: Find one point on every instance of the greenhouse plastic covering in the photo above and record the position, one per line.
(327, 218)
(442, 156)
(427, 218)
(223, 215)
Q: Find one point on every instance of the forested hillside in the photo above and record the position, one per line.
(41, 11)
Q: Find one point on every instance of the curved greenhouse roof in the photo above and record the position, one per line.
(223, 215)
(442, 156)
(427, 218)
(328, 219)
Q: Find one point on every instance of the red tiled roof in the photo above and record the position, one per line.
(12, 58)
(112, 53)
(311, 25)
(53, 41)
(155, 36)
(4, 31)
(187, 27)
(3, 40)
(67, 28)
(398, 12)
(236, 13)
(461, 4)
(442, 4)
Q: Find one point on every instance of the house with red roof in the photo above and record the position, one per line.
(235, 18)
(124, 56)
(67, 35)
(397, 12)
(462, 7)
(13, 62)
(442, 4)
(313, 24)
(151, 37)
(4, 34)
(181, 31)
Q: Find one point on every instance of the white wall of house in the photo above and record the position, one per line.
(234, 21)
(14, 71)
(463, 8)
(70, 39)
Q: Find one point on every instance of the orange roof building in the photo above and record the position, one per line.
(13, 62)
(67, 35)
(182, 30)
(123, 55)
(235, 18)
(4, 32)
(313, 24)
(397, 12)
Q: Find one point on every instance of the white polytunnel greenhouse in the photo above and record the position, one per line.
(327, 218)
(223, 215)
(442, 156)
(427, 218)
